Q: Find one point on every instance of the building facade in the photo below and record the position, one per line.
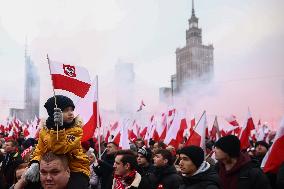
(195, 61)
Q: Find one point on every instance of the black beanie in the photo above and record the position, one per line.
(61, 101)
(195, 153)
(146, 152)
(229, 144)
(262, 143)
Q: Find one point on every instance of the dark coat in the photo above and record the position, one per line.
(280, 177)
(9, 164)
(244, 175)
(167, 177)
(104, 170)
(206, 180)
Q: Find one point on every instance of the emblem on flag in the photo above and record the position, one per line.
(69, 70)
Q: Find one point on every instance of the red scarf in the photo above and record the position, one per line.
(123, 182)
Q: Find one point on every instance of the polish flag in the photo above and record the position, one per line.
(151, 129)
(74, 79)
(133, 132)
(262, 133)
(232, 120)
(143, 132)
(246, 131)
(274, 157)
(175, 132)
(88, 111)
(197, 135)
(163, 127)
(215, 132)
(122, 137)
(192, 122)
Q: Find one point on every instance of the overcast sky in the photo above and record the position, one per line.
(247, 35)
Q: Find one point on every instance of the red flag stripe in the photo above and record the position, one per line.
(72, 85)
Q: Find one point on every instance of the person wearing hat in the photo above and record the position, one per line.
(261, 148)
(235, 169)
(144, 157)
(196, 172)
(65, 140)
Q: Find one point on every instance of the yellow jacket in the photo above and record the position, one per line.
(68, 143)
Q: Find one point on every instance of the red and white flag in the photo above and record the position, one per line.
(74, 79)
(215, 132)
(232, 120)
(175, 132)
(274, 157)
(197, 135)
(88, 111)
(246, 131)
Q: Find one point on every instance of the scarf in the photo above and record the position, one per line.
(122, 182)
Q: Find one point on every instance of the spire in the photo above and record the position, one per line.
(193, 12)
(26, 47)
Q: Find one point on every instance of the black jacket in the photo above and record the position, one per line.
(206, 180)
(167, 177)
(280, 177)
(105, 171)
(10, 163)
(244, 175)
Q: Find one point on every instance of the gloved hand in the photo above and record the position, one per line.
(58, 117)
(32, 174)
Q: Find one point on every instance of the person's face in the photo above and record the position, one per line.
(159, 160)
(260, 150)
(54, 175)
(141, 160)
(119, 168)
(155, 147)
(9, 148)
(139, 144)
(186, 165)
(19, 173)
(68, 115)
(111, 148)
(91, 158)
(220, 154)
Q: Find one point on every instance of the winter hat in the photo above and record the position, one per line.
(195, 153)
(61, 101)
(146, 152)
(262, 143)
(229, 144)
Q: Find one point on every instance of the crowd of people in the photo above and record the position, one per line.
(59, 160)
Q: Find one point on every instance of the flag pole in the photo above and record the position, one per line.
(53, 93)
(98, 117)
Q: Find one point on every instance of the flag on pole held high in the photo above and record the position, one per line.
(74, 79)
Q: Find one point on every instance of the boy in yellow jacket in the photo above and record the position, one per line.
(68, 142)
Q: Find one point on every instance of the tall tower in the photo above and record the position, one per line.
(32, 89)
(195, 60)
(32, 92)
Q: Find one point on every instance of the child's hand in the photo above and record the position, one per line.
(58, 117)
